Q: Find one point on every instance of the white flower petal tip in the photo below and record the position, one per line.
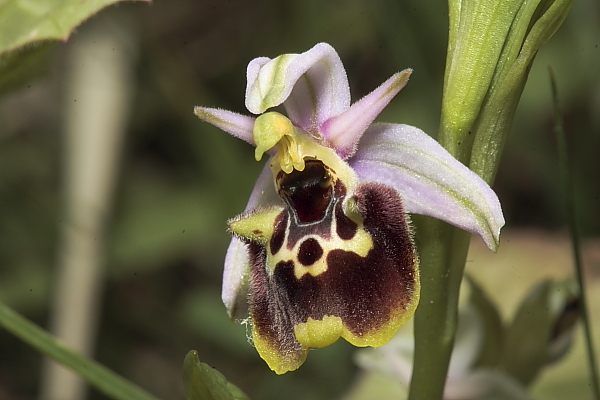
(431, 181)
(237, 260)
(235, 279)
(322, 92)
(344, 131)
(235, 124)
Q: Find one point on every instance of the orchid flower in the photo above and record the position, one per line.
(324, 248)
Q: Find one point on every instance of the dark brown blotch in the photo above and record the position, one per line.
(345, 227)
(279, 227)
(310, 252)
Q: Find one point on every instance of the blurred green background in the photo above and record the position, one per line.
(180, 179)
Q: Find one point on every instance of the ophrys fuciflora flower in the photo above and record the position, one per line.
(324, 248)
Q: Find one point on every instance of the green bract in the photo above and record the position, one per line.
(491, 47)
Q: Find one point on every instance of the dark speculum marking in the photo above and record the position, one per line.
(345, 227)
(278, 232)
(365, 292)
(307, 192)
(310, 252)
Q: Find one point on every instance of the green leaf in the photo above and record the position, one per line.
(493, 340)
(21, 66)
(202, 382)
(103, 379)
(23, 22)
(527, 339)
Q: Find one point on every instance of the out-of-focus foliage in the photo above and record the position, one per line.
(491, 359)
(26, 22)
(36, 24)
(526, 258)
(180, 179)
(106, 381)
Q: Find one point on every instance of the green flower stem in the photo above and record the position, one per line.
(565, 176)
(100, 377)
(477, 36)
(490, 49)
(443, 252)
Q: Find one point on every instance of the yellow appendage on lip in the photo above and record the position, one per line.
(321, 333)
(314, 333)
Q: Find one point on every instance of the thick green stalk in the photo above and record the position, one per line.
(490, 50)
(102, 378)
(443, 252)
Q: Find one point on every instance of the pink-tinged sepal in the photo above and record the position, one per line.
(431, 181)
(235, 124)
(344, 131)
